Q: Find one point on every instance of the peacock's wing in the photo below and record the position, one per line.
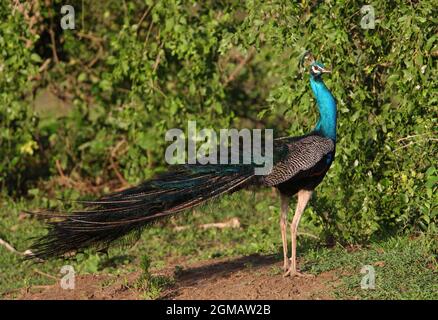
(294, 155)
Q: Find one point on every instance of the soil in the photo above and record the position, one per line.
(251, 277)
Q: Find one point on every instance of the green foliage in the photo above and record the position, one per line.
(18, 64)
(130, 73)
(151, 285)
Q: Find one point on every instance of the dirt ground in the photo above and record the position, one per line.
(251, 277)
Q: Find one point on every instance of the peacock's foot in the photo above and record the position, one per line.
(292, 272)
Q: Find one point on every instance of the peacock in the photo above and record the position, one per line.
(299, 166)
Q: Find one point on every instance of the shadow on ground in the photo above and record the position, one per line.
(248, 277)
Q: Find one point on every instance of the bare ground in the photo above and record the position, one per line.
(251, 277)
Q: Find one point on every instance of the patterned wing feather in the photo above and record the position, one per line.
(295, 155)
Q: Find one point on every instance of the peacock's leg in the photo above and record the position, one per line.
(303, 199)
(284, 207)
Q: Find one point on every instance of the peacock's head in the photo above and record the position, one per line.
(316, 68)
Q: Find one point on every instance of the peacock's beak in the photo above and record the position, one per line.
(325, 70)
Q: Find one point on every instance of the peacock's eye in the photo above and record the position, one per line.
(315, 69)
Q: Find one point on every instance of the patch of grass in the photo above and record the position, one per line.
(405, 268)
(275, 271)
(150, 285)
(178, 271)
(108, 282)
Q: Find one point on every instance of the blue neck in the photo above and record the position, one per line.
(326, 125)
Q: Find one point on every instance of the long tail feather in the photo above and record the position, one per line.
(127, 212)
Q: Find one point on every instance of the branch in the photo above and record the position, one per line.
(117, 172)
(232, 223)
(240, 66)
(52, 38)
(143, 17)
(89, 36)
(44, 66)
(416, 135)
(9, 247)
(157, 60)
(307, 234)
(45, 274)
(114, 165)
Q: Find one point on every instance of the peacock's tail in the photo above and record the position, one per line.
(126, 213)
